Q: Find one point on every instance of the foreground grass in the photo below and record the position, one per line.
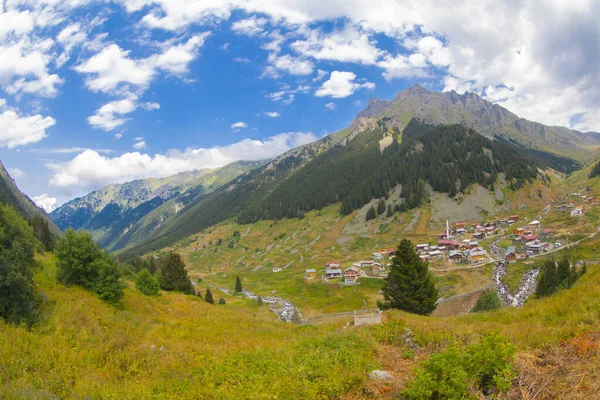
(172, 346)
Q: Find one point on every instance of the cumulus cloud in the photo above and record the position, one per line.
(289, 64)
(239, 125)
(17, 130)
(140, 145)
(45, 202)
(90, 170)
(118, 136)
(330, 105)
(272, 114)
(341, 84)
(252, 26)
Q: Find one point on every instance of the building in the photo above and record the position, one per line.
(455, 256)
(536, 248)
(529, 238)
(365, 263)
(351, 274)
(479, 235)
(332, 265)
(546, 232)
(513, 218)
(578, 212)
(534, 225)
(422, 247)
(276, 269)
(477, 255)
(333, 273)
(448, 244)
(592, 200)
(511, 254)
(519, 231)
(377, 256)
(376, 269)
(435, 254)
(310, 274)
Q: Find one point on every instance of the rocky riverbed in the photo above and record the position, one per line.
(526, 287)
(284, 309)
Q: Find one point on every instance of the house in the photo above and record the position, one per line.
(422, 247)
(442, 236)
(276, 269)
(563, 207)
(332, 265)
(424, 257)
(546, 232)
(377, 269)
(455, 256)
(391, 253)
(511, 254)
(448, 244)
(513, 218)
(477, 255)
(519, 231)
(333, 273)
(460, 225)
(534, 225)
(377, 256)
(460, 231)
(310, 274)
(536, 248)
(366, 263)
(529, 238)
(592, 200)
(351, 274)
(578, 212)
(435, 254)
(479, 235)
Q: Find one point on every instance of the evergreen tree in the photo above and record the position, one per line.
(259, 301)
(42, 232)
(565, 278)
(381, 207)
(390, 211)
(409, 285)
(208, 296)
(173, 275)
(146, 283)
(17, 246)
(238, 285)
(371, 214)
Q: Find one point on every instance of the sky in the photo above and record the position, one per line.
(94, 92)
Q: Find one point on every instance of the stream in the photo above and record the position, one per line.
(526, 287)
(284, 309)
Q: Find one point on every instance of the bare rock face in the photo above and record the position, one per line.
(380, 375)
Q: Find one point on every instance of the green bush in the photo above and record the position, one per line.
(80, 261)
(17, 248)
(482, 368)
(222, 301)
(488, 301)
(146, 283)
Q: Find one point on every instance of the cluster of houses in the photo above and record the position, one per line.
(570, 205)
(373, 267)
(467, 250)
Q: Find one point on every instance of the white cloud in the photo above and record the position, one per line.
(68, 150)
(272, 114)
(45, 202)
(118, 136)
(289, 64)
(330, 106)
(242, 60)
(90, 170)
(176, 59)
(138, 138)
(341, 84)
(252, 26)
(140, 145)
(16, 172)
(348, 45)
(17, 130)
(110, 115)
(239, 125)
(150, 106)
(320, 75)
(287, 95)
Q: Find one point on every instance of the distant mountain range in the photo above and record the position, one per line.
(12, 196)
(125, 213)
(445, 140)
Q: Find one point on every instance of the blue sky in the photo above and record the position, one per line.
(99, 92)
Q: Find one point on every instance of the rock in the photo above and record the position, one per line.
(379, 374)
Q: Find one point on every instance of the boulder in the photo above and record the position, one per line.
(379, 374)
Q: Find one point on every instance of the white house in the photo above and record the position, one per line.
(578, 212)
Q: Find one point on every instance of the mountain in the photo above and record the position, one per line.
(123, 212)
(352, 167)
(489, 119)
(12, 196)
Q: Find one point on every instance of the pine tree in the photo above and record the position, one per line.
(371, 214)
(173, 275)
(380, 207)
(259, 301)
(208, 297)
(238, 285)
(409, 285)
(390, 211)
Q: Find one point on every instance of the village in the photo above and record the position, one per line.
(507, 239)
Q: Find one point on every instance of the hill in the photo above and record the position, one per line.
(12, 196)
(122, 213)
(489, 119)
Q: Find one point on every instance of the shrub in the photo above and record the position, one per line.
(486, 367)
(238, 285)
(146, 283)
(371, 214)
(222, 301)
(17, 244)
(488, 301)
(173, 275)
(81, 262)
(208, 297)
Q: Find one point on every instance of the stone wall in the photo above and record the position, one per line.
(367, 317)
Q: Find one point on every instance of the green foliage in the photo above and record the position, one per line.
(42, 232)
(390, 211)
(259, 301)
(222, 301)
(485, 367)
(409, 286)
(380, 207)
(555, 277)
(595, 170)
(208, 297)
(82, 262)
(488, 301)
(17, 246)
(172, 274)
(238, 285)
(371, 214)
(146, 283)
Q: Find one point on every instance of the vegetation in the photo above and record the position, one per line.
(485, 367)
(488, 301)
(208, 297)
(409, 286)
(595, 171)
(172, 274)
(238, 285)
(371, 214)
(17, 246)
(42, 232)
(556, 276)
(147, 283)
(82, 262)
